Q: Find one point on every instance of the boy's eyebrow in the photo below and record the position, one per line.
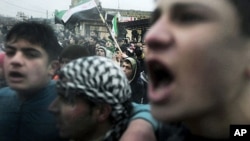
(9, 47)
(23, 48)
(186, 6)
(30, 49)
(156, 11)
(155, 15)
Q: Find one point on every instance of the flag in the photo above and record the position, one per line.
(83, 10)
(114, 25)
(59, 15)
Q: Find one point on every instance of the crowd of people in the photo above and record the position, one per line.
(33, 56)
(128, 54)
(193, 69)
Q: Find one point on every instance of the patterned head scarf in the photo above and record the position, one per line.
(101, 81)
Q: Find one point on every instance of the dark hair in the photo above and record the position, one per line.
(138, 51)
(96, 32)
(38, 34)
(94, 38)
(243, 9)
(74, 52)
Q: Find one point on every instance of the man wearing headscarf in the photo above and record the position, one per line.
(93, 100)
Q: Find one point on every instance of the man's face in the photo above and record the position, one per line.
(108, 44)
(127, 68)
(92, 33)
(64, 61)
(75, 119)
(100, 52)
(92, 41)
(196, 58)
(25, 66)
(121, 42)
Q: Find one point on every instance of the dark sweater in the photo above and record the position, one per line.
(27, 120)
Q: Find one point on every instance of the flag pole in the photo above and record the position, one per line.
(106, 24)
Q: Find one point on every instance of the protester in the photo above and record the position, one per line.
(131, 68)
(94, 33)
(68, 54)
(72, 52)
(110, 46)
(91, 44)
(93, 100)
(198, 66)
(103, 51)
(30, 47)
(142, 120)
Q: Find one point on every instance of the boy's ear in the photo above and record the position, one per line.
(53, 67)
(103, 112)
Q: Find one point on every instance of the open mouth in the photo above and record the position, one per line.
(16, 75)
(160, 75)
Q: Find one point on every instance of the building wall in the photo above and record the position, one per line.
(85, 27)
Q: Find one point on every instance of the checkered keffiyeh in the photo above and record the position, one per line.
(101, 80)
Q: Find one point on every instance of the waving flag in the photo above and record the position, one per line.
(84, 10)
(115, 24)
(59, 15)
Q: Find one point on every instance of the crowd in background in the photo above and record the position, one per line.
(197, 57)
(129, 54)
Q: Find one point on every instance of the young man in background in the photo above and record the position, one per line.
(30, 48)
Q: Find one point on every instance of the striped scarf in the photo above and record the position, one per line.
(100, 80)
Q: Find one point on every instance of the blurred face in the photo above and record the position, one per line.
(64, 61)
(100, 52)
(75, 119)
(196, 57)
(108, 44)
(127, 69)
(121, 42)
(26, 66)
(72, 41)
(91, 41)
(93, 33)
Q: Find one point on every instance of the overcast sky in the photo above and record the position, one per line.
(44, 8)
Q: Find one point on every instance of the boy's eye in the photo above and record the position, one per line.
(155, 16)
(10, 52)
(32, 54)
(188, 18)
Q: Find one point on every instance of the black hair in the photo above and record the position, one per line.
(94, 38)
(38, 34)
(74, 52)
(96, 32)
(138, 51)
(243, 9)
